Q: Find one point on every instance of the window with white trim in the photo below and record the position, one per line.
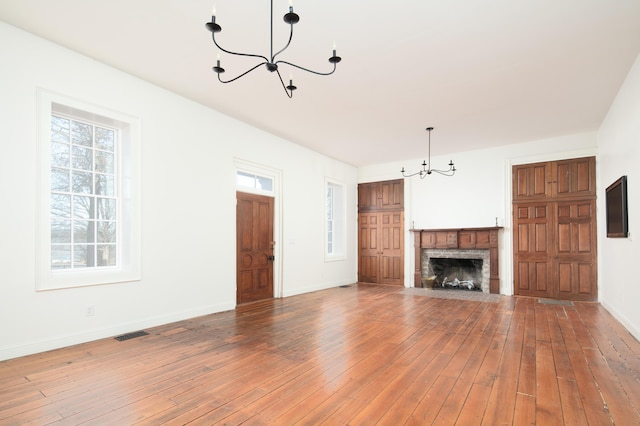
(335, 220)
(88, 209)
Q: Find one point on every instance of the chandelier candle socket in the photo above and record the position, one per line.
(426, 165)
(271, 64)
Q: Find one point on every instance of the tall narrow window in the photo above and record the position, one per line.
(335, 221)
(84, 194)
(89, 195)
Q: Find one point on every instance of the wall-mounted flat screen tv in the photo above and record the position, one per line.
(617, 216)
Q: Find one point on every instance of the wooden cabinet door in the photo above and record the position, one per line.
(391, 248)
(575, 252)
(530, 181)
(533, 249)
(391, 195)
(368, 250)
(574, 178)
(368, 196)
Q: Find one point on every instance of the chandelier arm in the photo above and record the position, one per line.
(423, 173)
(307, 69)
(443, 172)
(273, 58)
(412, 174)
(213, 37)
(241, 75)
(290, 95)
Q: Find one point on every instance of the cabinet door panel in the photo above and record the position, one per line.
(575, 249)
(368, 247)
(530, 181)
(392, 195)
(367, 196)
(392, 248)
(575, 178)
(531, 249)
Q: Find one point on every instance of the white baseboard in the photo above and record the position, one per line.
(317, 287)
(629, 325)
(84, 336)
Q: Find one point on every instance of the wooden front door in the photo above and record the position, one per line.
(254, 247)
(381, 232)
(554, 218)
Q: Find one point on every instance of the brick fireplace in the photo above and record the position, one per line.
(473, 244)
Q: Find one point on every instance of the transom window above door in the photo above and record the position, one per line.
(254, 181)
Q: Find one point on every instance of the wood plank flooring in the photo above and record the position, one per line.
(360, 355)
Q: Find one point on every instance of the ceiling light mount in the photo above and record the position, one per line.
(426, 165)
(271, 63)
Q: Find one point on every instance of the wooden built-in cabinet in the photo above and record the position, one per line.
(381, 232)
(554, 229)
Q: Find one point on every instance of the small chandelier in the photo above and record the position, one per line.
(271, 63)
(426, 165)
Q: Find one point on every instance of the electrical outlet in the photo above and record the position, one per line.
(91, 311)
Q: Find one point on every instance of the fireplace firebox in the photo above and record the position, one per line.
(459, 274)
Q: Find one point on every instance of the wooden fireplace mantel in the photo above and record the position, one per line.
(462, 239)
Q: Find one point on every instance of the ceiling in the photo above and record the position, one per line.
(483, 73)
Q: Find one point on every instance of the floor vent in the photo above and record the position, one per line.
(346, 286)
(556, 302)
(131, 335)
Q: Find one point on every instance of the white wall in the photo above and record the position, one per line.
(188, 205)
(478, 195)
(618, 142)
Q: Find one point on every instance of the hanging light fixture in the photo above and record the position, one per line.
(270, 62)
(426, 165)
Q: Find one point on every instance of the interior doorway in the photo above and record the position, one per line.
(254, 247)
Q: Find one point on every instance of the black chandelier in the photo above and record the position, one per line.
(271, 63)
(426, 165)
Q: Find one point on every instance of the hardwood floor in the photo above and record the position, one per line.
(365, 354)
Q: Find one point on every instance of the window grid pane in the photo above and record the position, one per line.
(83, 194)
(335, 248)
(330, 217)
(254, 181)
